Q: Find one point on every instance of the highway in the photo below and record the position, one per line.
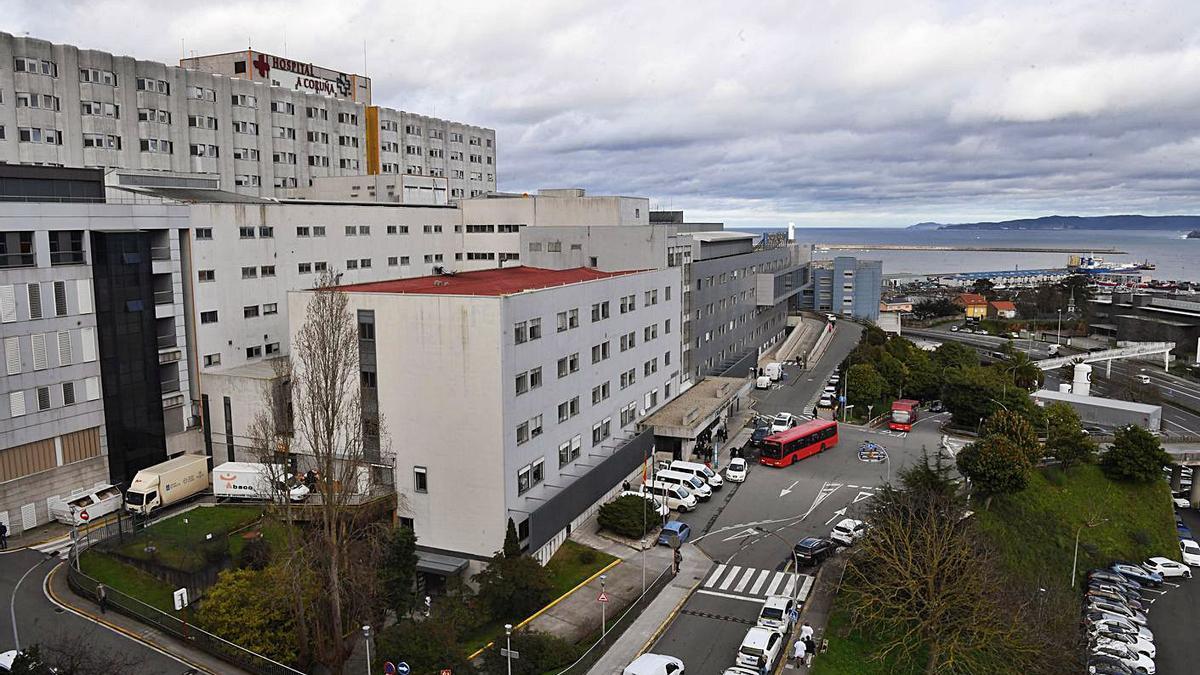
(1180, 395)
(790, 503)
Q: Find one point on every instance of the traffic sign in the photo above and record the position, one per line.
(447, 671)
(402, 668)
(603, 597)
(181, 599)
(510, 653)
(389, 668)
(83, 515)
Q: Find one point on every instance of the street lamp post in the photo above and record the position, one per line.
(366, 629)
(508, 645)
(1075, 562)
(1058, 335)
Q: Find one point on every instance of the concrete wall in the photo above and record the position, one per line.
(608, 248)
(38, 489)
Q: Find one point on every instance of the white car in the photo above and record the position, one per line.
(826, 401)
(762, 647)
(776, 613)
(1168, 567)
(735, 471)
(1181, 503)
(1135, 643)
(835, 378)
(6, 660)
(830, 389)
(654, 664)
(848, 531)
(1120, 652)
(1190, 551)
(1116, 624)
(783, 421)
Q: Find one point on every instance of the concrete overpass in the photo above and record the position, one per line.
(1185, 453)
(1128, 351)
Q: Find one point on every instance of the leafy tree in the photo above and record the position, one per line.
(874, 335)
(955, 355)
(864, 385)
(540, 653)
(1135, 455)
(995, 466)
(511, 589)
(894, 373)
(244, 607)
(398, 570)
(929, 478)
(985, 287)
(512, 543)
(1025, 373)
(629, 516)
(1065, 438)
(1017, 430)
(929, 309)
(427, 646)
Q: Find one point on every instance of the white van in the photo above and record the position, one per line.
(87, 505)
(654, 664)
(700, 471)
(660, 508)
(761, 648)
(763, 382)
(774, 371)
(687, 480)
(674, 496)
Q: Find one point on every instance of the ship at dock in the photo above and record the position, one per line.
(1089, 264)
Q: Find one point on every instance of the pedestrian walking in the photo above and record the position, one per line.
(3, 536)
(798, 651)
(806, 631)
(678, 558)
(102, 598)
(810, 648)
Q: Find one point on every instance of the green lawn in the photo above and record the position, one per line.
(180, 541)
(127, 579)
(572, 564)
(1034, 533)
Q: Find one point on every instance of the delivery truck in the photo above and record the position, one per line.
(249, 480)
(163, 484)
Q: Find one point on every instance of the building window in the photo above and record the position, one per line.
(272, 349)
(43, 398)
(600, 352)
(207, 275)
(420, 479)
(253, 352)
(249, 272)
(522, 433)
(601, 430)
(249, 311)
(212, 360)
(522, 382)
(521, 332)
(208, 317)
(267, 270)
(600, 311)
(535, 378)
(599, 393)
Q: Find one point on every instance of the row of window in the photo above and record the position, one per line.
(49, 350)
(46, 398)
(35, 302)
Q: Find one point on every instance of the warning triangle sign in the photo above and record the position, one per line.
(603, 597)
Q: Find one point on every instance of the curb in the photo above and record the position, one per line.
(550, 606)
(83, 530)
(48, 586)
(662, 627)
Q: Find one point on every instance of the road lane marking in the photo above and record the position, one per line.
(731, 596)
(741, 586)
(805, 587)
(791, 586)
(861, 496)
(775, 582)
(729, 579)
(759, 581)
(715, 575)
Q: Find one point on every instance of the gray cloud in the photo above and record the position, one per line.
(822, 113)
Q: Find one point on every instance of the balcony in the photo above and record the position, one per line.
(173, 401)
(160, 252)
(169, 386)
(172, 356)
(167, 341)
(67, 257)
(164, 297)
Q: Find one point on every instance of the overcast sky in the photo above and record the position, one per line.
(758, 113)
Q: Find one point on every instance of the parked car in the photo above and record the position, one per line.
(825, 402)
(659, 507)
(654, 664)
(1167, 567)
(759, 434)
(812, 550)
(1183, 531)
(1114, 598)
(738, 670)
(1098, 621)
(848, 531)
(830, 389)
(1190, 551)
(954, 329)
(1181, 503)
(761, 648)
(776, 613)
(1138, 574)
(1109, 576)
(674, 528)
(783, 421)
(1107, 665)
(1136, 643)
(735, 471)
(1116, 609)
(1139, 662)
(835, 378)
(1114, 589)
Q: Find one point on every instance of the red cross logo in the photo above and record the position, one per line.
(261, 65)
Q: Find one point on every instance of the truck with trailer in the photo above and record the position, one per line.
(167, 483)
(250, 480)
(904, 414)
(1109, 413)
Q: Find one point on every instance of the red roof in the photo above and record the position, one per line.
(495, 282)
(971, 299)
(1004, 305)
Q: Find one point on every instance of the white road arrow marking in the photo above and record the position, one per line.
(836, 514)
(748, 532)
(788, 489)
(861, 496)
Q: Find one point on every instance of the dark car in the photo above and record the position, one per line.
(813, 550)
(760, 434)
(1113, 597)
(1109, 576)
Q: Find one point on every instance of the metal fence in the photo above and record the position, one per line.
(618, 626)
(86, 586)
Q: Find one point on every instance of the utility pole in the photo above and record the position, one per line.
(367, 639)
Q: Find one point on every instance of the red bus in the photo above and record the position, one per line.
(809, 438)
(904, 413)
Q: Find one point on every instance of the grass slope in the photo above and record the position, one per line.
(179, 540)
(1034, 534)
(127, 579)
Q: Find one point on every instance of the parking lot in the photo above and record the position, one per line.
(1174, 616)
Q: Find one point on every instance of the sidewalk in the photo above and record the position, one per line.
(61, 594)
(816, 610)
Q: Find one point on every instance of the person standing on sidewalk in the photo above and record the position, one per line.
(3, 536)
(810, 648)
(102, 598)
(798, 651)
(806, 631)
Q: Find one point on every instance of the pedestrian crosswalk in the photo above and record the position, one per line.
(751, 583)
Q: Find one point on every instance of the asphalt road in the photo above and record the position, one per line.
(1174, 617)
(40, 621)
(790, 503)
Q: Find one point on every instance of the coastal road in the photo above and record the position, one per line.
(789, 504)
(41, 621)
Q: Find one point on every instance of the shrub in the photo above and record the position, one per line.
(256, 554)
(511, 589)
(628, 516)
(540, 653)
(1135, 455)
